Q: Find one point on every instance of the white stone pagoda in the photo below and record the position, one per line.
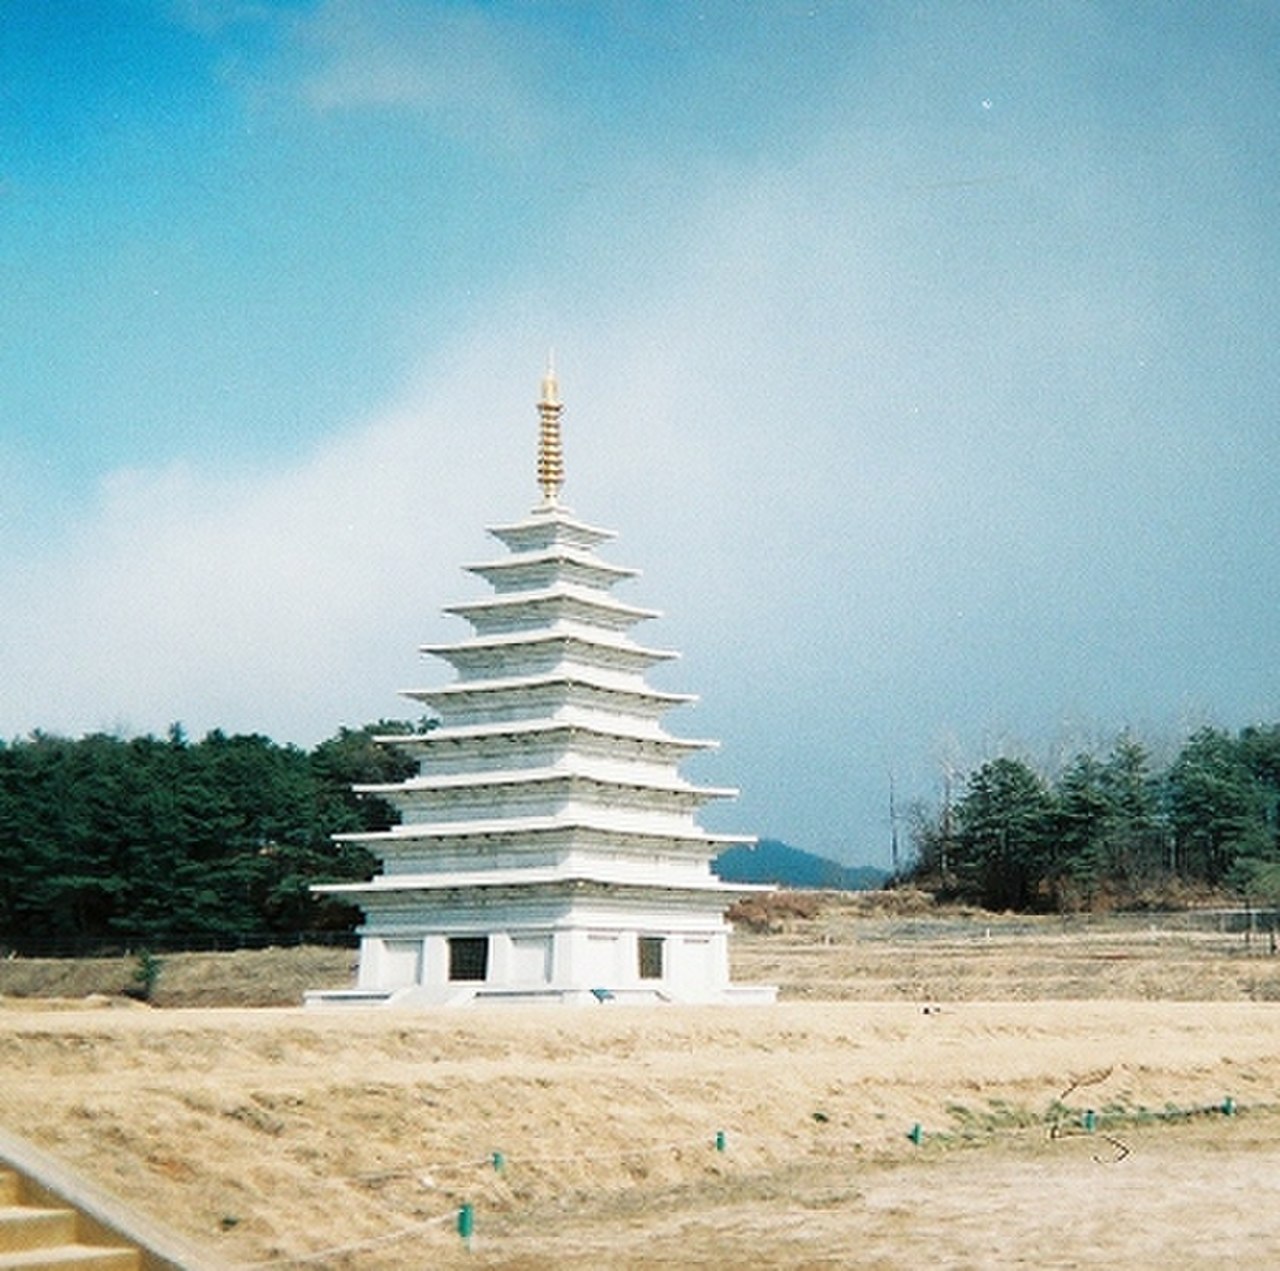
(547, 848)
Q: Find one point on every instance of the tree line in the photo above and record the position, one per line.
(1111, 831)
(166, 843)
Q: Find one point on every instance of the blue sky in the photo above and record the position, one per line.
(923, 355)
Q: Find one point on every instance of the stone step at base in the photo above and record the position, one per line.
(27, 1227)
(42, 1238)
(72, 1257)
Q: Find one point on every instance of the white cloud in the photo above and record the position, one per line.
(280, 601)
(213, 17)
(468, 71)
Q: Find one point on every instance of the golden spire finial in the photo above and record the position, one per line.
(550, 389)
(550, 453)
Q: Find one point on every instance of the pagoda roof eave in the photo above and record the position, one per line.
(541, 517)
(532, 727)
(515, 639)
(525, 880)
(542, 776)
(549, 555)
(543, 681)
(579, 595)
(524, 826)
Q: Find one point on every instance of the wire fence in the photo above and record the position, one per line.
(1107, 1130)
(1238, 924)
(1243, 925)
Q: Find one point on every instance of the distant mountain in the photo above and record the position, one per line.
(773, 862)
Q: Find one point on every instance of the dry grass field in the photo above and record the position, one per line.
(278, 1137)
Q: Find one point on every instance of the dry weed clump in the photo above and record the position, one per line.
(243, 978)
(789, 911)
(1169, 894)
(776, 910)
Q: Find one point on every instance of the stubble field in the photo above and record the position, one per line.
(953, 1089)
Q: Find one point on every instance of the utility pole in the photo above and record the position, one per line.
(946, 819)
(893, 823)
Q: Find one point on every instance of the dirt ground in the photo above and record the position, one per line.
(1041, 1095)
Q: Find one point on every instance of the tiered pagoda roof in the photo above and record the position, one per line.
(548, 778)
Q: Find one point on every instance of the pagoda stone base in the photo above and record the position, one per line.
(419, 998)
(565, 965)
